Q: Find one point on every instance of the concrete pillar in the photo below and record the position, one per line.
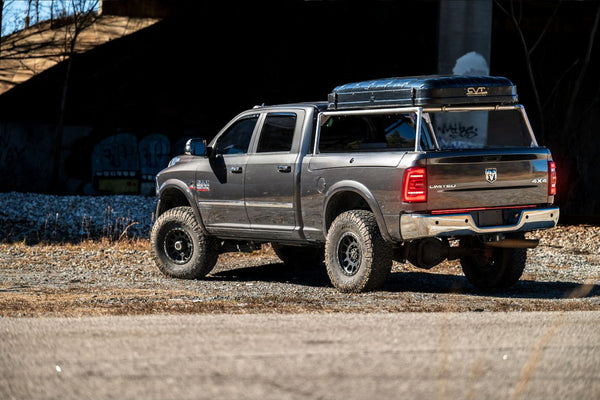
(465, 35)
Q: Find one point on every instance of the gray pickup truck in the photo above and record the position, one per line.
(418, 169)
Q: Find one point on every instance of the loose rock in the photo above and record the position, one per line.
(52, 266)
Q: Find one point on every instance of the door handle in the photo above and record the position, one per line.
(236, 169)
(284, 168)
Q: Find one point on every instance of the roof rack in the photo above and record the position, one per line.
(431, 90)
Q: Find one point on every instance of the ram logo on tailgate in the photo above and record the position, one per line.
(491, 175)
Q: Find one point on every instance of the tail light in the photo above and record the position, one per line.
(414, 185)
(551, 178)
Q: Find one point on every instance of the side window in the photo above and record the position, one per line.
(277, 133)
(401, 134)
(368, 133)
(236, 139)
(343, 133)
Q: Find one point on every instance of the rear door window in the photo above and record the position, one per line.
(277, 133)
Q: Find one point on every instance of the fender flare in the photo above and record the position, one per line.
(362, 191)
(174, 184)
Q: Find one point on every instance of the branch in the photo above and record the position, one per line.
(545, 27)
(582, 72)
(558, 82)
(536, 95)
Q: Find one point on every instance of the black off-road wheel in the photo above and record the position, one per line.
(490, 268)
(299, 256)
(180, 247)
(356, 256)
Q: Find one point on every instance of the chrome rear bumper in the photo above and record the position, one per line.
(415, 226)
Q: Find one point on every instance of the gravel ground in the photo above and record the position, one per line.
(59, 256)
(38, 217)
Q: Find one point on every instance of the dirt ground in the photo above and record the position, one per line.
(119, 278)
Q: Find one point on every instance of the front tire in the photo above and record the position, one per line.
(180, 247)
(356, 256)
(492, 268)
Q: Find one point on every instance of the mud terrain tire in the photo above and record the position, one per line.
(356, 256)
(492, 268)
(180, 247)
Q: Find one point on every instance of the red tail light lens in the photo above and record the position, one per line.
(551, 178)
(414, 185)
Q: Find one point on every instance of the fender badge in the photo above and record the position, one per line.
(202, 186)
(491, 174)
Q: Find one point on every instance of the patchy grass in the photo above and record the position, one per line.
(118, 277)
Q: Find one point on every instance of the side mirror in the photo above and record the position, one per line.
(196, 147)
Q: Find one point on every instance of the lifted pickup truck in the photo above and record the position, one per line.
(420, 169)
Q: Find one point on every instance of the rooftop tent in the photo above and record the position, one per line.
(430, 90)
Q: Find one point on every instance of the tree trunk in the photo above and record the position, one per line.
(63, 103)
(1, 9)
(79, 23)
(27, 17)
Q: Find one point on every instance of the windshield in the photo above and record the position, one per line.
(481, 129)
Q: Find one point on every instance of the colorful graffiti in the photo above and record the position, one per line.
(123, 165)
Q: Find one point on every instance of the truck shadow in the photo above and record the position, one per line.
(315, 276)
(418, 282)
(427, 282)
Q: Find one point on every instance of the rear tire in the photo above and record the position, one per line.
(180, 247)
(492, 268)
(356, 256)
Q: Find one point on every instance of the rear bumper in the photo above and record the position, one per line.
(415, 226)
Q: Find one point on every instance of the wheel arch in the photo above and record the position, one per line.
(176, 194)
(350, 195)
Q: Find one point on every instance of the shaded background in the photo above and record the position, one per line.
(144, 94)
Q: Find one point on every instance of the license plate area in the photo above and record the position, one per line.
(489, 218)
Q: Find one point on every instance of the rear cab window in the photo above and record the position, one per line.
(487, 129)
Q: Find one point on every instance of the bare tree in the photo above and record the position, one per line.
(24, 45)
(28, 18)
(83, 15)
(28, 15)
(559, 111)
(582, 73)
(1, 19)
(25, 48)
(516, 17)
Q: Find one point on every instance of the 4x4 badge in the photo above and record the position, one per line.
(491, 175)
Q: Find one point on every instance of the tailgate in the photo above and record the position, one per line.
(476, 179)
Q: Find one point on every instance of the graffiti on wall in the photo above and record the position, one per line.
(155, 153)
(457, 130)
(123, 165)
